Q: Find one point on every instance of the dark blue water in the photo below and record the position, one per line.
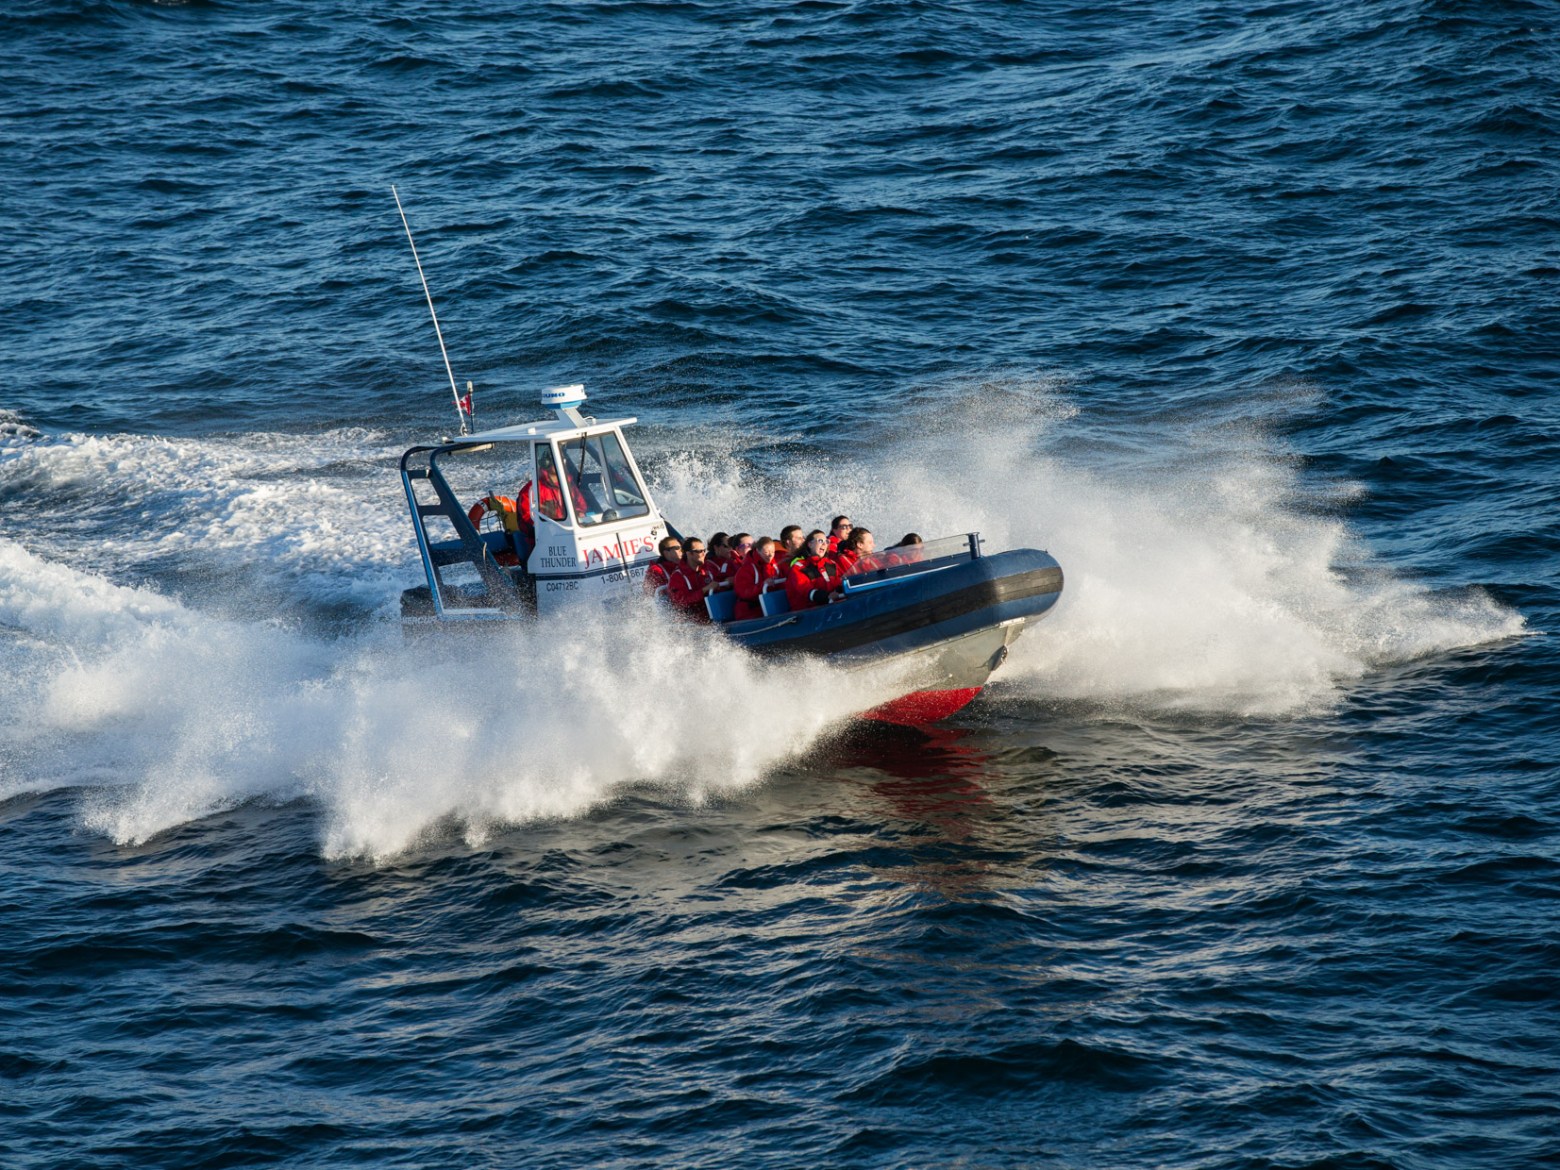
(1250, 857)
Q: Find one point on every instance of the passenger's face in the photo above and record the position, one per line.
(765, 552)
(818, 545)
(672, 553)
(867, 544)
(696, 554)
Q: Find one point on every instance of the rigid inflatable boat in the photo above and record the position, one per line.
(582, 529)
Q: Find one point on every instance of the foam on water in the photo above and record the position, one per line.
(310, 517)
(1207, 880)
(1201, 575)
(1203, 572)
(178, 714)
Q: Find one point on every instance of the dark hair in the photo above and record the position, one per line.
(667, 541)
(785, 533)
(738, 537)
(763, 540)
(813, 533)
(835, 523)
(854, 539)
(909, 538)
(720, 538)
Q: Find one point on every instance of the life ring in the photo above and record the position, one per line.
(508, 514)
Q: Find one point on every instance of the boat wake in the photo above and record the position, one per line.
(168, 715)
(1205, 575)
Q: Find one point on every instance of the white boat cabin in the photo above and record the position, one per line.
(531, 517)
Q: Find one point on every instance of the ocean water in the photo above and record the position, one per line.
(1250, 855)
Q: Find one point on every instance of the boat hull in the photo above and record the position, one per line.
(948, 675)
(938, 634)
(941, 634)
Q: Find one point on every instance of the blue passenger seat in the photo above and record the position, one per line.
(774, 602)
(722, 606)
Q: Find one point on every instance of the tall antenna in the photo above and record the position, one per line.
(460, 408)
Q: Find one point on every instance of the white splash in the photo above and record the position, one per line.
(1201, 575)
(311, 518)
(177, 715)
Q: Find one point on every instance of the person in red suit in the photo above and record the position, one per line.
(759, 568)
(527, 521)
(660, 573)
(906, 552)
(690, 582)
(789, 548)
(813, 580)
(722, 562)
(855, 553)
(839, 529)
(549, 494)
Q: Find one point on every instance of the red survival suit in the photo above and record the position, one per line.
(550, 496)
(685, 590)
(749, 583)
(722, 572)
(551, 504)
(851, 561)
(810, 582)
(658, 574)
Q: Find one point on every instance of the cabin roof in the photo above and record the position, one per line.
(544, 429)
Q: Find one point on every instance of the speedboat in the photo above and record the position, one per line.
(582, 529)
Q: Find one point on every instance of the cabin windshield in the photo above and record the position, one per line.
(602, 482)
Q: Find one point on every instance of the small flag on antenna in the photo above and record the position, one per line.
(465, 403)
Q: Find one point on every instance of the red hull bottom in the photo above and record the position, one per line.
(922, 707)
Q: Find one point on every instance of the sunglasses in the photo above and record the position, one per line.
(697, 552)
